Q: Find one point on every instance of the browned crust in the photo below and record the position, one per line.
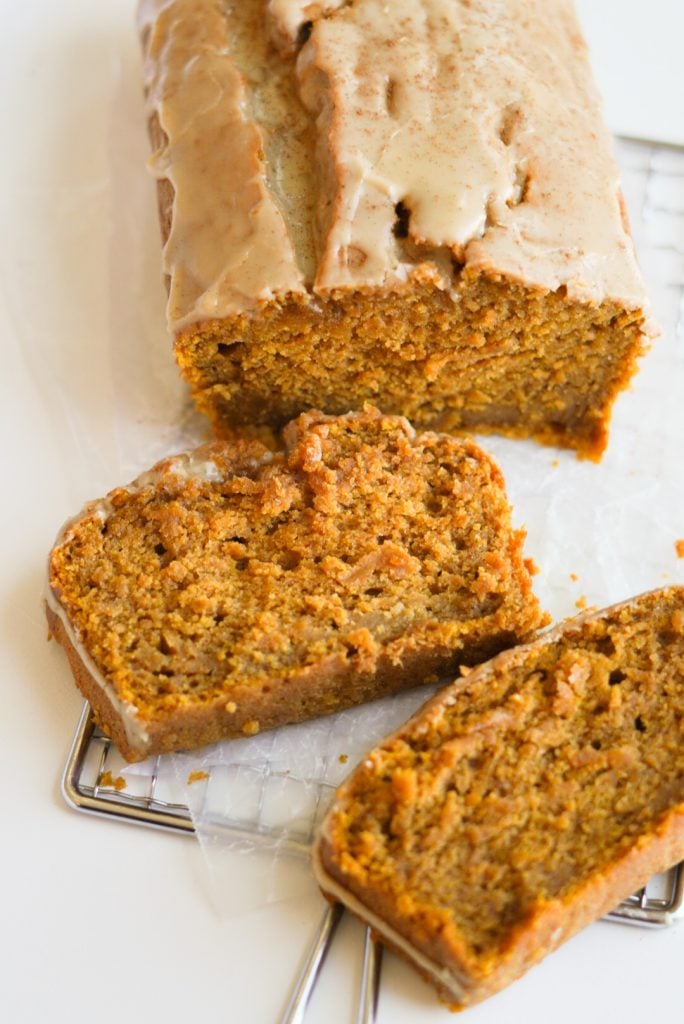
(106, 715)
(548, 926)
(318, 690)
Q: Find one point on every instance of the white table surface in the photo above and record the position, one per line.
(105, 922)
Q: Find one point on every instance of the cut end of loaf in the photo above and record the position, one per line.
(493, 357)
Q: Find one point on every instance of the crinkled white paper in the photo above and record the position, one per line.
(256, 801)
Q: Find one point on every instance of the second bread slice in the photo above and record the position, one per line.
(522, 802)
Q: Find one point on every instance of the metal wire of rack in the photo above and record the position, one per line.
(654, 174)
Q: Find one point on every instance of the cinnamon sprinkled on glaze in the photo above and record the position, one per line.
(221, 255)
(456, 111)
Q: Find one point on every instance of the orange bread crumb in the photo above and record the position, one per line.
(107, 780)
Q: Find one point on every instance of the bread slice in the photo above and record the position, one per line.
(522, 802)
(235, 588)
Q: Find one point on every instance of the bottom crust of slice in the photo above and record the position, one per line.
(547, 927)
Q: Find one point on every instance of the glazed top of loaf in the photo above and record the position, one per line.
(334, 145)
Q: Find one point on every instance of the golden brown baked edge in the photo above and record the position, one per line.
(548, 927)
(318, 690)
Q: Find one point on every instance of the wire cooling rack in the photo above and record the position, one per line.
(653, 179)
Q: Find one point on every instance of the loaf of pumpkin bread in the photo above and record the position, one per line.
(413, 203)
